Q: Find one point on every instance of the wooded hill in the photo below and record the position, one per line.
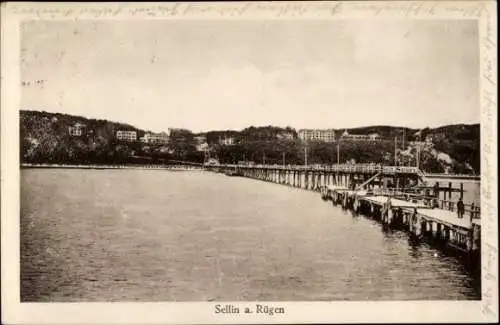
(45, 139)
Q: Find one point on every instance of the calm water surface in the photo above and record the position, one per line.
(138, 235)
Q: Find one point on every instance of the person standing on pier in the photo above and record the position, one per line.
(460, 208)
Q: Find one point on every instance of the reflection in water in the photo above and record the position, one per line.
(414, 247)
(131, 235)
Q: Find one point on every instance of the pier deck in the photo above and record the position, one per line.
(395, 203)
(441, 216)
(449, 218)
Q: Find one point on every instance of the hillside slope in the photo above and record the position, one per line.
(45, 139)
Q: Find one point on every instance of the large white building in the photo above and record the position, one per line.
(360, 137)
(129, 136)
(150, 137)
(317, 135)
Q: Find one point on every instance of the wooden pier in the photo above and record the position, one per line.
(397, 196)
(419, 217)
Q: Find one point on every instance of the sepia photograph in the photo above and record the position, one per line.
(250, 160)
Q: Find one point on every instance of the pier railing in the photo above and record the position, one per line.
(452, 176)
(472, 210)
(348, 168)
(353, 168)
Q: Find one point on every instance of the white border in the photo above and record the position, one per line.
(197, 312)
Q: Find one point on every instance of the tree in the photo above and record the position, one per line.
(182, 143)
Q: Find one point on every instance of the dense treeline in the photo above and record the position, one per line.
(45, 139)
(295, 152)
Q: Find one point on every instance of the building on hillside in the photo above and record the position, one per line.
(129, 136)
(417, 143)
(285, 136)
(160, 138)
(201, 143)
(347, 136)
(200, 139)
(360, 137)
(76, 130)
(202, 146)
(429, 139)
(226, 141)
(212, 161)
(317, 135)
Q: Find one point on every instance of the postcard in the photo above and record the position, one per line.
(249, 162)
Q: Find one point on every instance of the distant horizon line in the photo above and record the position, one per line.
(261, 125)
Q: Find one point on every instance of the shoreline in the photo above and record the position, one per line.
(96, 166)
(434, 177)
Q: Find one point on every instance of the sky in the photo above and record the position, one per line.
(228, 74)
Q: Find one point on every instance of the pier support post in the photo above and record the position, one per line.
(434, 229)
(418, 226)
(475, 237)
(390, 216)
(446, 234)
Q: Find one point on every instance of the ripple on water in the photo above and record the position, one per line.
(132, 235)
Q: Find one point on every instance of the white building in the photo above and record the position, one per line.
(360, 137)
(212, 161)
(76, 130)
(317, 135)
(129, 136)
(226, 141)
(202, 146)
(150, 137)
(200, 139)
(285, 136)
